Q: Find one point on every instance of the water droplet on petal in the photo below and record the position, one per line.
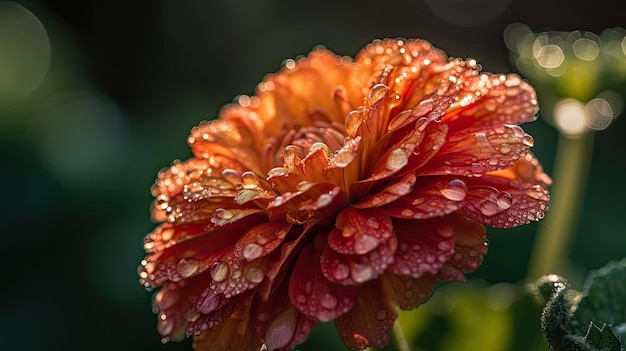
(328, 301)
(165, 326)
(455, 190)
(362, 272)
(381, 314)
(252, 251)
(504, 200)
(343, 158)
(505, 148)
(376, 94)
(477, 168)
(319, 145)
(254, 275)
(249, 180)
(397, 159)
(341, 271)
(489, 208)
(219, 271)
(187, 267)
(364, 244)
(353, 122)
(486, 243)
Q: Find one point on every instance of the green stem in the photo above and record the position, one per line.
(555, 232)
(397, 341)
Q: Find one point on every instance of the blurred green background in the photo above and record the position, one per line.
(96, 97)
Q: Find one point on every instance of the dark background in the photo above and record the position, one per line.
(126, 83)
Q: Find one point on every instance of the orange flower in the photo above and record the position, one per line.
(342, 190)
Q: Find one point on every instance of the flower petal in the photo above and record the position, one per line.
(359, 231)
(280, 324)
(474, 152)
(313, 294)
(369, 321)
(422, 249)
(431, 197)
(470, 247)
(488, 100)
(357, 269)
(511, 197)
(408, 292)
(234, 333)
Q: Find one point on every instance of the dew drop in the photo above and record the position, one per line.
(362, 272)
(301, 299)
(455, 190)
(252, 251)
(219, 271)
(486, 243)
(477, 168)
(165, 326)
(504, 200)
(319, 145)
(489, 208)
(376, 94)
(328, 301)
(397, 159)
(343, 158)
(223, 214)
(505, 148)
(364, 244)
(249, 180)
(381, 314)
(254, 275)
(187, 267)
(341, 271)
(353, 122)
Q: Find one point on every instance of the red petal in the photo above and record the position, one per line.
(431, 197)
(390, 193)
(357, 269)
(474, 152)
(280, 324)
(236, 332)
(313, 294)
(423, 247)
(490, 100)
(510, 197)
(369, 321)
(359, 231)
(408, 292)
(470, 247)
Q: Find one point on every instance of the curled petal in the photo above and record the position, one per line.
(369, 321)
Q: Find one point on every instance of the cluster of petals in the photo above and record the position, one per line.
(342, 190)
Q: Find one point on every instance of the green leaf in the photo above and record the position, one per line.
(603, 298)
(604, 338)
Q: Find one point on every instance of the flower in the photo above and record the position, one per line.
(341, 191)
